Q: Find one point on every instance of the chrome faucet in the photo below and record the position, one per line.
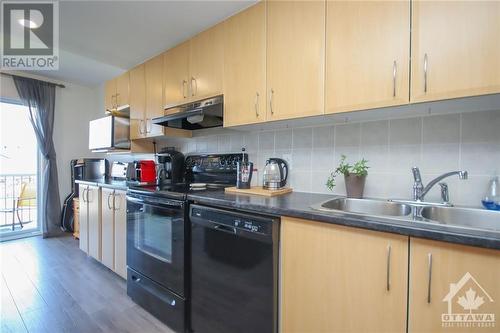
(419, 191)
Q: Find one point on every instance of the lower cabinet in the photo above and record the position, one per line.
(90, 220)
(83, 213)
(120, 205)
(453, 288)
(341, 279)
(94, 221)
(114, 232)
(108, 227)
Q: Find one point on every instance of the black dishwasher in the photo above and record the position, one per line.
(234, 271)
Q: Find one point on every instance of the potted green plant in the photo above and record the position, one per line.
(354, 175)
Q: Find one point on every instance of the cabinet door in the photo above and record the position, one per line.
(450, 279)
(108, 233)
(367, 54)
(245, 67)
(341, 279)
(94, 221)
(122, 89)
(295, 58)
(120, 204)
(206, 62)
(110, 94)
(176, 74)
(83, 218)
(137, 102)
(154, 95)
(455, 49)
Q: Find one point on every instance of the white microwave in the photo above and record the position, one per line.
(110, 133)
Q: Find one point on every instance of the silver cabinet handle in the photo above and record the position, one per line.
(394, 72)
(388, 285)
(429, 263)
(425, 72)
(83, 195)
(115, 103)
(184, 86)
(256, 106)
(194, 88)
(141, 122)
(109, 204)
(271, 101)
(115, 206)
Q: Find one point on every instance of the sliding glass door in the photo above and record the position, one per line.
(18, 173)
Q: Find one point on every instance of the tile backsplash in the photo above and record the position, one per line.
(434, 143)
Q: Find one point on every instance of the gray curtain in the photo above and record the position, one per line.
(40, 97)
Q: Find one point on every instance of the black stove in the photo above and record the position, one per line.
(158, 236)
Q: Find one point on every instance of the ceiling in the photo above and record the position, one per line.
(102, 39)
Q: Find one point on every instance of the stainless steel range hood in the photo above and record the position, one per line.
(206, 113)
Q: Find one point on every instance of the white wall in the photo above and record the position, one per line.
(75, 106)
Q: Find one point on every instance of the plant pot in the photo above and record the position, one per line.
(354, 185)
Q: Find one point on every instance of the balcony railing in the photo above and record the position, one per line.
(18, 202)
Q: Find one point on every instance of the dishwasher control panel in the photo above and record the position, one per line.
(233, 219)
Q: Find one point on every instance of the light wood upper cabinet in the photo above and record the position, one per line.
(367, 54)
(206, 62)
(245, 67)
(176, 74)
(154, 95)
(122, 89)
(295, 58)
(116, 92)
(108, 221)
(94, 221)
(137, 102)
(120, 216)
(341, 279)
(110, 94)
(442, 276)
(455, 49)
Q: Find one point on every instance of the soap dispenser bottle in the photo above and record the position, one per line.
(492, 199)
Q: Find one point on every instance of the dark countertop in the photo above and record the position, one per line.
(108, 183)
(297, 204)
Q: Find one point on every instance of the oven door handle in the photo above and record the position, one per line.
(156, 202)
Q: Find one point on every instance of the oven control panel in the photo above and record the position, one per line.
(213, 162)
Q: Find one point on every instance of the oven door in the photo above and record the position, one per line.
(155, 240)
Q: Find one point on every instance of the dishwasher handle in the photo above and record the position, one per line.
(225, 228)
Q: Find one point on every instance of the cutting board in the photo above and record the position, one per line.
(259, 190)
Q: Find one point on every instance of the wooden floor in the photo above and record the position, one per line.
(49, 285)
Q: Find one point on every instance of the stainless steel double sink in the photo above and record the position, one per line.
(414, 211)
